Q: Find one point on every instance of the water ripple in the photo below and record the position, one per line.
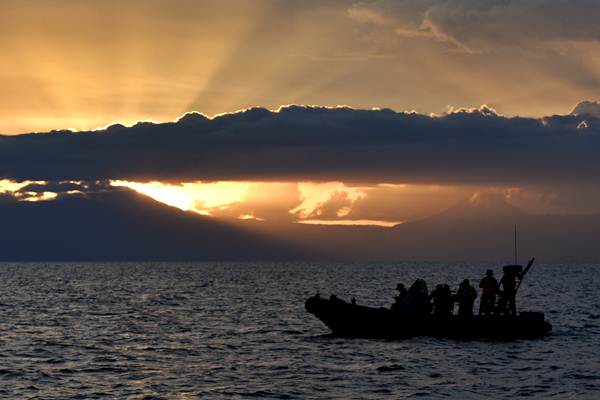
(223, 330)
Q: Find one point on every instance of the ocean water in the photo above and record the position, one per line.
(224, 330)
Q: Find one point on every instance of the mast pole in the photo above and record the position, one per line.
(515, 244)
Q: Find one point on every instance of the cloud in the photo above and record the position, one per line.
(559, 199)
(476, 24)
(41, 190)
(406, 202)
(55, 187)
(299, 143)
(338, 206)
(584, 108)
(387, 202)
(262, 201)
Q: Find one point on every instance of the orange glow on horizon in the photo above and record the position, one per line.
(199, 197)
(291, 202)
(326, 203)
(356, 222)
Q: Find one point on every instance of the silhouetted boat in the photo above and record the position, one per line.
(351, 320)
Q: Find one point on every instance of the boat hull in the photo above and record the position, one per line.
(350, 320)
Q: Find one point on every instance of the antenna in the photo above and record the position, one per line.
(515, 244)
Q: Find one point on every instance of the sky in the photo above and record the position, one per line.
(375, 111)
(86, 64)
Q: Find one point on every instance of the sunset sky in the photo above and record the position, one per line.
(402, 108)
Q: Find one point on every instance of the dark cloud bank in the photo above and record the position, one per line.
(471, 146)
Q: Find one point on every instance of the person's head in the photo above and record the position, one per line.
(400, 287)
(489, 272)
(466, 283)
(439, 287)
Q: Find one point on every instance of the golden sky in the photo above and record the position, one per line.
(85, 64)
(81, 65)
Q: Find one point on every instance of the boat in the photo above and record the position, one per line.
(350, 320)
(357, 321)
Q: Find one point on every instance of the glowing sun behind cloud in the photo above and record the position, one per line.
(302, 202)
(188, 196)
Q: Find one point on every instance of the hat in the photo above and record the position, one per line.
(489, 272)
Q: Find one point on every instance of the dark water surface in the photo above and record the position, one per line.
(218, 330)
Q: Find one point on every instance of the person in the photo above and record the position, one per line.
(489, 289)
(450, 304)
(466, 296)
(507, 303)
(400, 298)
(416, 300)
(442, 300)
(438, 298)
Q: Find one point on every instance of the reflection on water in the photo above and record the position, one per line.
(223, 330)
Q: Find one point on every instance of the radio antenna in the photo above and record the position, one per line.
(515, 244)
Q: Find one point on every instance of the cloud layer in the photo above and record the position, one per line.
(481, 25)
(319, 144)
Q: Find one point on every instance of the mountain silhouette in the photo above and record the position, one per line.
(480, 228)
(480, 207)
(483, 227)
(125, 225)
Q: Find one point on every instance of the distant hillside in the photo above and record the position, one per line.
(125, 225)
(483, 229)
(129, 226)
(480, 228)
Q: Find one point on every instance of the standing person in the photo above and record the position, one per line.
(466, 296)
(417, 299)
(442, 300)
(507, 303)
(425, 305)
(450, 304)
(489, 290)
(400, 298)
(437, 296)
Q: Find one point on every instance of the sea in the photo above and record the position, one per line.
(240, 331)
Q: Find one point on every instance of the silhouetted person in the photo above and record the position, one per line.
(442, 300)
(466, 296)
(437, 297)
(489, 290)
(333, 298)
(507, 303)
(450, 305)
(416, 300)
(401, 292)
(400, 298)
